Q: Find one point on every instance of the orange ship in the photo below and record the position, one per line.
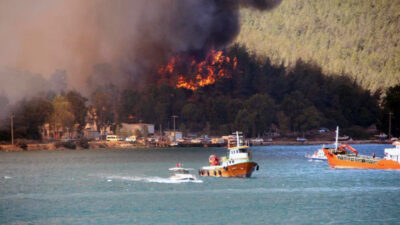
(345, 156)
(237, 163)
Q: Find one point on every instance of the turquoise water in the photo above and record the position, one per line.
(132, 187)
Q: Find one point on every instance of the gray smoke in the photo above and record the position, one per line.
(103, 41)
(16, 85)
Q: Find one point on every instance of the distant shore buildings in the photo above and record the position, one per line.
(129, 129)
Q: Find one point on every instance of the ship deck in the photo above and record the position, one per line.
(359, 158)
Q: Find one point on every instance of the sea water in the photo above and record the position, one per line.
(132, 187)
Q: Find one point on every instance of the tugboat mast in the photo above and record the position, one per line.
(237, 139)
(337, 138)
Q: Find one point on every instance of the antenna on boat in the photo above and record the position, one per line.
(337, 138)
(237, 138)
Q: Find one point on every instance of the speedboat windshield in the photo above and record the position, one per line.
(180, 170)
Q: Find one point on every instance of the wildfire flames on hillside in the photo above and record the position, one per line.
(189, 73)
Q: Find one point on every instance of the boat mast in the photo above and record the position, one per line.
(237, 138)
(337, 138)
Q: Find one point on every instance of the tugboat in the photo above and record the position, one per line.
(345, 156)
(182, 174)
(237, 162)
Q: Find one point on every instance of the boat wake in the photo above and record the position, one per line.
(315, 160)
(151, 179)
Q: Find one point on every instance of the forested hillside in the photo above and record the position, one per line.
(257, 98)
(359, 38)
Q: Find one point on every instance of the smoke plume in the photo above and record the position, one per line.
(115, 41)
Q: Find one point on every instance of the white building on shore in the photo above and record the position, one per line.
(173, 135)
(129, 129)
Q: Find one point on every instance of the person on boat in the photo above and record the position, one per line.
(373, 155)
(213, 160)
(341, 151)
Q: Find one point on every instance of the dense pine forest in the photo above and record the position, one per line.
(259, 97)
(360, 39)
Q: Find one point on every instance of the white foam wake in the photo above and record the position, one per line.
(151, 179)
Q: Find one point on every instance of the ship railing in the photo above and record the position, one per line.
(364, 159)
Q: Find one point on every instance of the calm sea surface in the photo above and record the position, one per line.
(132, 187)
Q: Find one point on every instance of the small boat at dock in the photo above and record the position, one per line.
(237, 163)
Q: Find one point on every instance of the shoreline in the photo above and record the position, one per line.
(119, 145)
(326, 142)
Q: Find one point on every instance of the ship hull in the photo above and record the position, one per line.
(242, 170)
(382, 164)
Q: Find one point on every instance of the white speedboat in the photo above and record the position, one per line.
(319, 155)
(182, 174)
(393, 153)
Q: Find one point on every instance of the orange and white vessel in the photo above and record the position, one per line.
(237, 163)
(344, 156)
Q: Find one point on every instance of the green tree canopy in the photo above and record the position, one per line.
(62, 117)
(78, 106)
(391, 105)
(30, 115)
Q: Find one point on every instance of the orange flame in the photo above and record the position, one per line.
(194, 75)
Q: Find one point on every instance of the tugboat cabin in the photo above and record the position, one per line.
(241, 153)
(237, 149)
